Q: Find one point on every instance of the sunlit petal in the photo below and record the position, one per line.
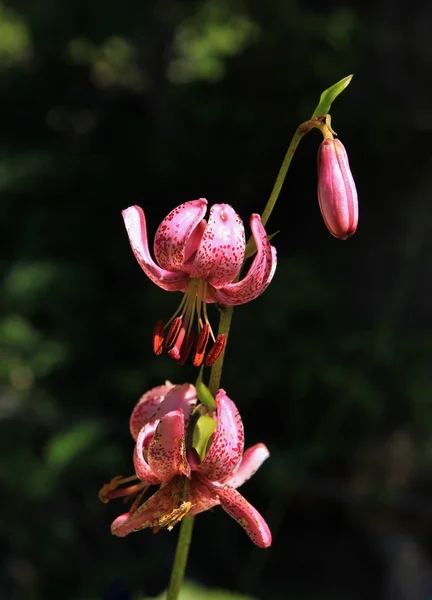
(179, 234)
(221, 252)
(142, 468)
(167, 449)
(149, 514)
(145, 407)
(260, 272)
(227, 441)
(135, 223)
(246, 515)
(251, 461)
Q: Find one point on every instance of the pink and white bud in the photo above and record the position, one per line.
(337, 194)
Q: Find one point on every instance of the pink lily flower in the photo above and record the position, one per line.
(164, 456)
(203, 260)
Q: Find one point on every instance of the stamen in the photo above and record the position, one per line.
(186, 348)
(201, 345)
(110, 491)
(158, 337)
(215, 351)
(175, 516)
(173, 332)
(176, 349)
(138, 499)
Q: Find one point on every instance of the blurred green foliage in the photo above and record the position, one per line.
(155, 103)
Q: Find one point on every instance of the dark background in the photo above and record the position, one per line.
(104, 104)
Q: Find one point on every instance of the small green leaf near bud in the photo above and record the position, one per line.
(329, 95)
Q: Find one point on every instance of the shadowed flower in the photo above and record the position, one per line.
(337, 194)
(162, 425)
(203, 260)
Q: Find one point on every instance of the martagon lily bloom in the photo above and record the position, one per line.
(203, 260)
(162, 425)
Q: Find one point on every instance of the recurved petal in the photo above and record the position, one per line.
(150, 514)
(227, 441)
(180, 397)
(145, 407)
(179, 235)
(246, 515)
(251, 461)
(203, 497)
(167, 450)
(221, 252)
(135, 223)
(260, 272)
(142, 468)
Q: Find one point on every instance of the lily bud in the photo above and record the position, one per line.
(337, 194)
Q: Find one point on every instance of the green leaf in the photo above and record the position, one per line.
(328, 96)
(192, 591)
(67, 445)
(204, 394)
(203, 429)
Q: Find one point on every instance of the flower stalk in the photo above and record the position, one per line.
(186, 526)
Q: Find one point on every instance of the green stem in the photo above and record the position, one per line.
(180, 559)
(226, 313)
(301, 131)
(186, 526)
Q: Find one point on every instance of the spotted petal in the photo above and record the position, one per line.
(178, 236)
(227, 441)
(145, 407)
(161, 400)
(167, 449)
(135, 223)
(142, 468)
(202, 495)
(260, 272)
(251, 461)
(246, 515)
(221, 252)
(155, 512)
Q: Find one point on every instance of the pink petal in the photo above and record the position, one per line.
(259, 275)
(221, 252)
(227, 443)
(167, 450)
(179, 235)
(142, 468)
(145, 407)
(181, 397)
(149, 514)
(135, 223)
(161, 400)
(252, 459)
(202, 495)
(246, 515)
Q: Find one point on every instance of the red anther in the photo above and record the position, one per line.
(158, 337)
(173, 332)
(186, 348)
(215, 351)
(176, 349)
(201, 345)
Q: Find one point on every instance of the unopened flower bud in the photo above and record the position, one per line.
(337, 194)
